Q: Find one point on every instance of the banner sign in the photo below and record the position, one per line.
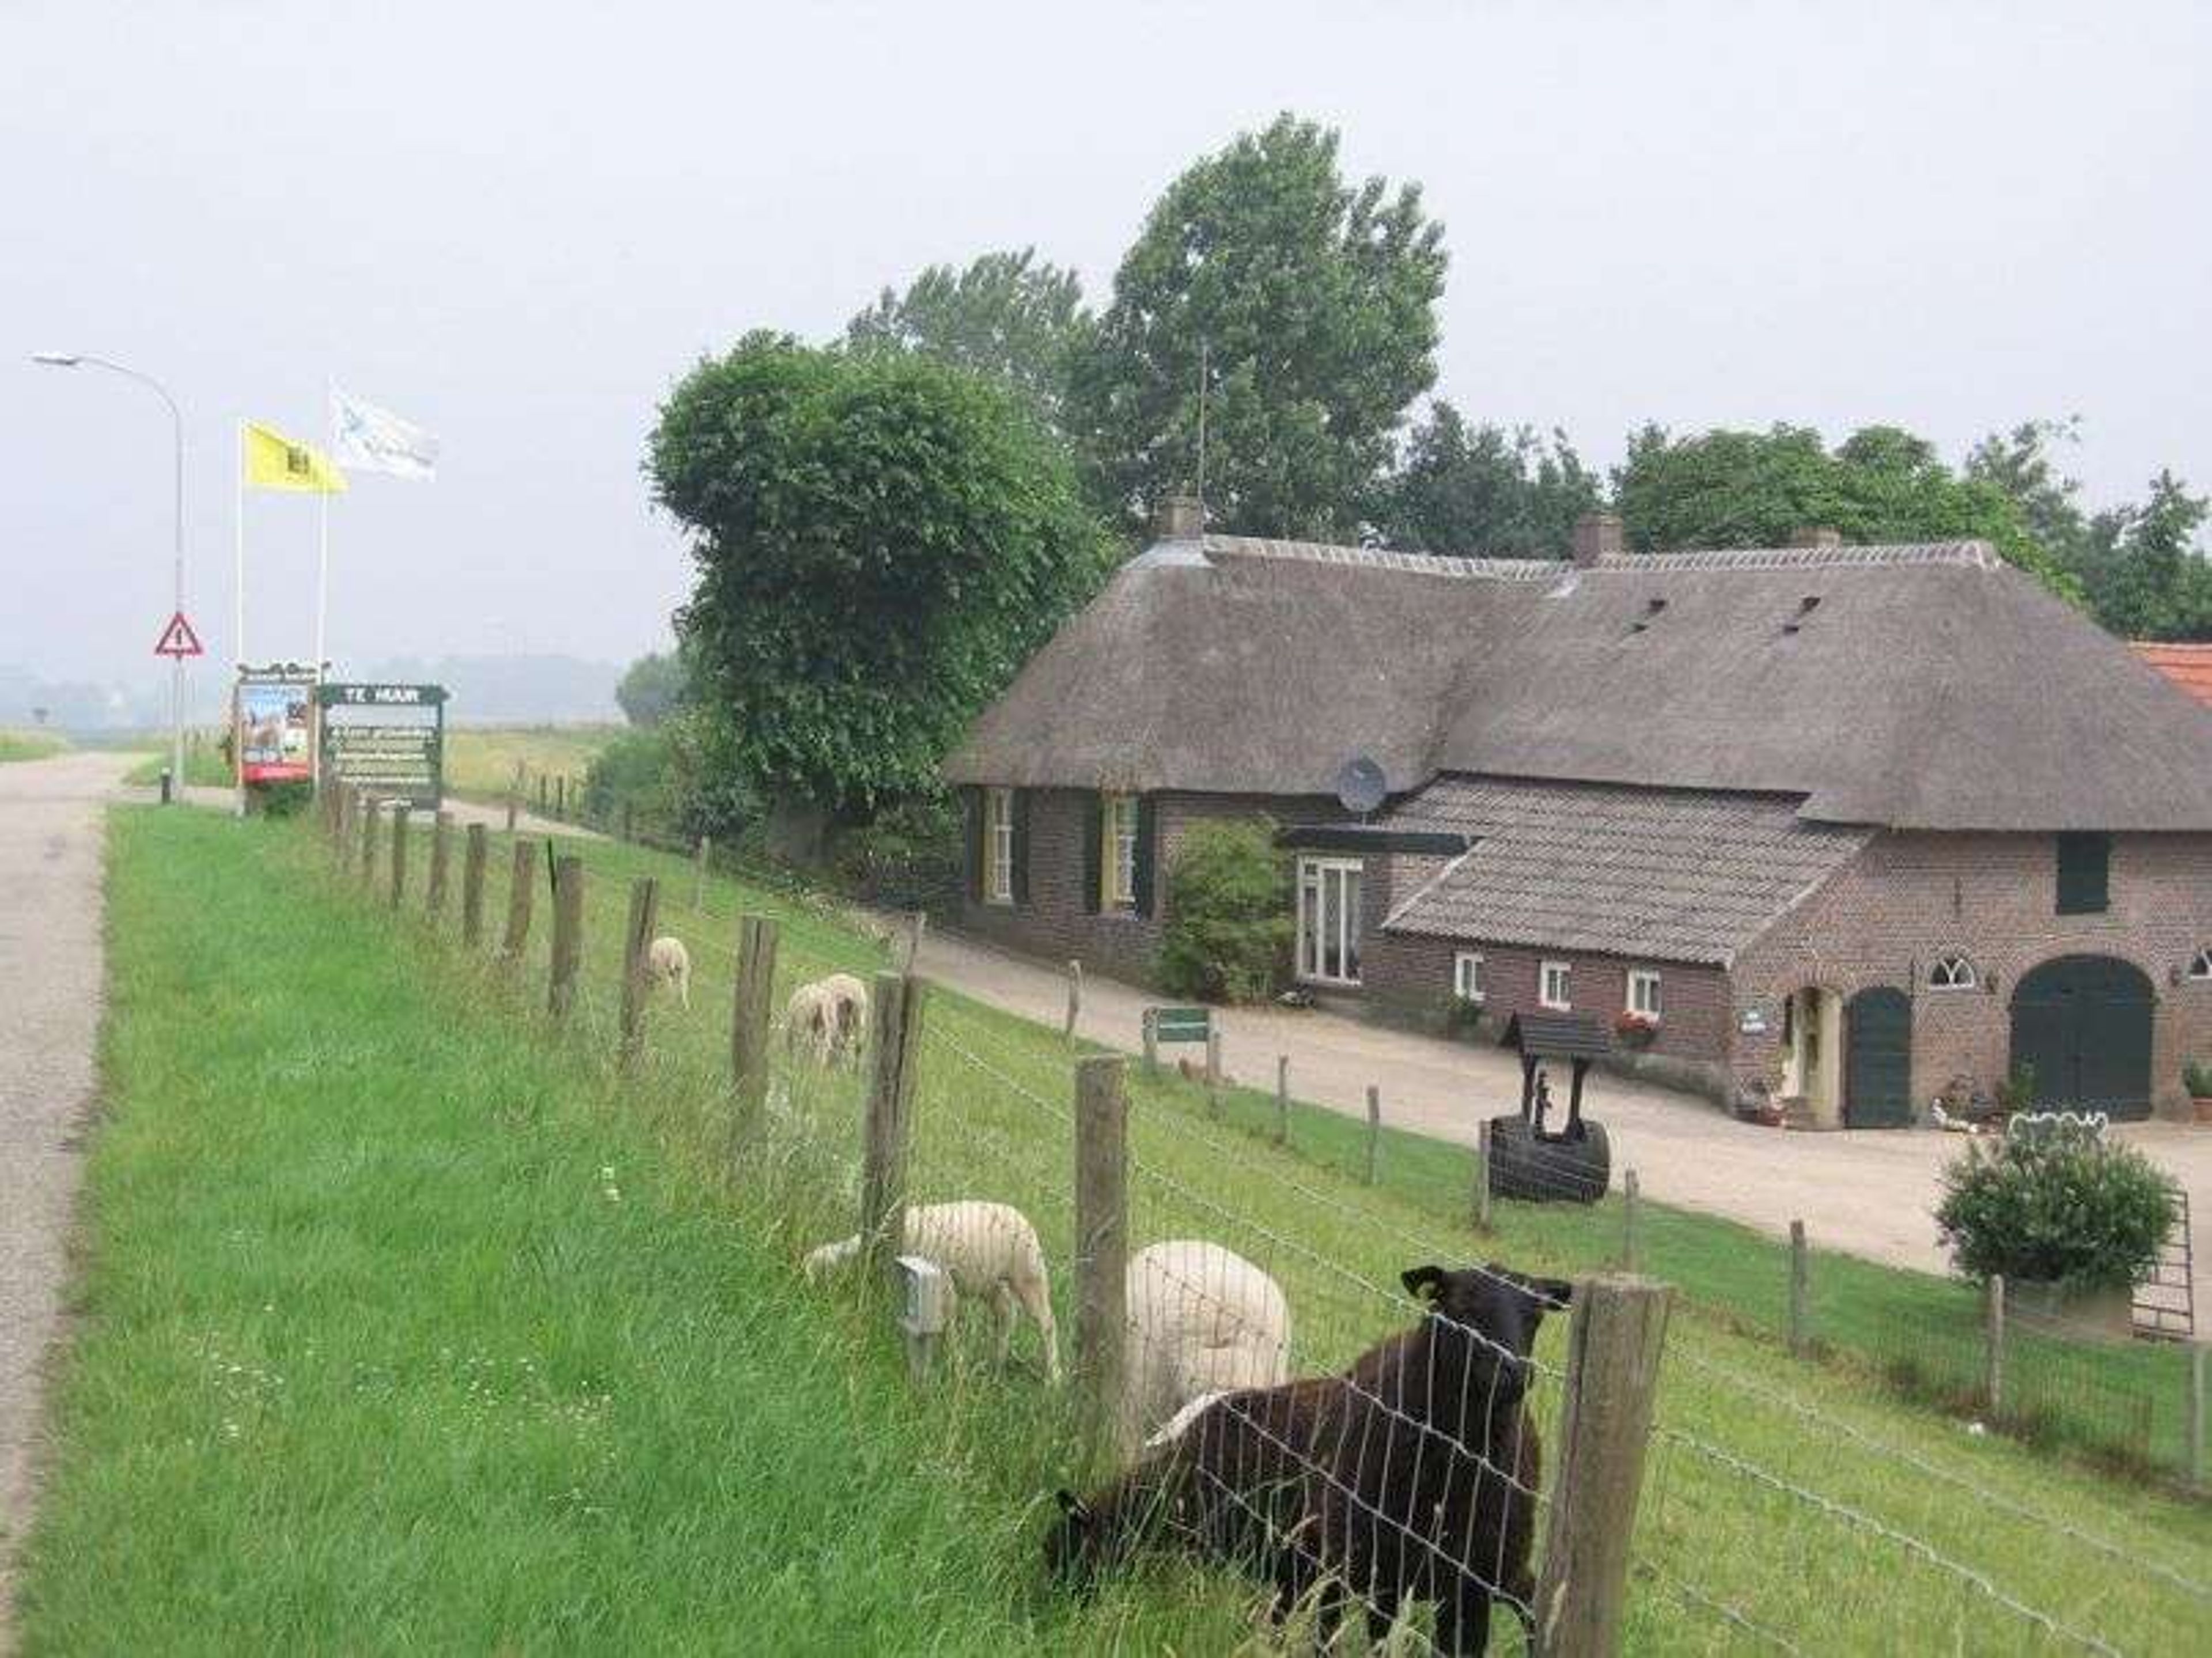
(273, 728)
(387, 739)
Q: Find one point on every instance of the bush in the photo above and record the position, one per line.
(2196, 1078)
(288, 799)
(2061, 1203)
(635, 769)
(909, 858)
(1228, 928)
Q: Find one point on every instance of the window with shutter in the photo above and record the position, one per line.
(2085, 865)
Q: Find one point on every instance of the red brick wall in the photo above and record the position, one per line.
(1909, 898)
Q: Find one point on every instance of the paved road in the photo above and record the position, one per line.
(1867, 1191)
(50, 985)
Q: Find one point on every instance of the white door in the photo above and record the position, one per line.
(1328, 919)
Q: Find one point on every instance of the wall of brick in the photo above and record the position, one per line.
(1909, 898)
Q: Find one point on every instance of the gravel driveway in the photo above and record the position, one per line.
(51, 979)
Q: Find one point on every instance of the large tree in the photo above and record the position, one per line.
(1728, 488)
(651, 688)
(2146, 576)
(1008, 314)
(1314, 303)
(881, 541)
(1481, 489)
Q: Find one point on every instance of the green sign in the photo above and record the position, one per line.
(1180, 1024)
(387, 739)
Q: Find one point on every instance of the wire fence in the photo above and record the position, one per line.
(1265, 1410)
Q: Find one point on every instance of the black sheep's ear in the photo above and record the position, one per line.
(1423, 1281)
(1072, 1505)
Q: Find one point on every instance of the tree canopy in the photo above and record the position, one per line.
(1481, 489)
(650, 689)
(1315, 305)
(1007, 314)
(881, 541)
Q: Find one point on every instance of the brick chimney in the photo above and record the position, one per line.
(1817, 536)
(1178, 518)
(1598, 535)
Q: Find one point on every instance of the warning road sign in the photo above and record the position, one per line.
(178, 639)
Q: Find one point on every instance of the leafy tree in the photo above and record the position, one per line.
(651, 688)
(2021, 463)
(1229, 930)
(2145, 575)
(1481, 489)
(1729, 489)
(1007, 314)
(1314, 303)
(881, 541)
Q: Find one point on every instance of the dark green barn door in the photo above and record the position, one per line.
(1878, 1060)
(2084, 1024)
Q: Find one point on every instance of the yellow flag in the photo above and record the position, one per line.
(273, 461)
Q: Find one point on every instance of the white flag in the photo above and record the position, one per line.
(366, 439)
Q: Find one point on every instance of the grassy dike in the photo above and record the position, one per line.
(397, 1331)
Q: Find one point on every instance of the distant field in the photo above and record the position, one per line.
(480, 759)
(28, 745)
(204, 767)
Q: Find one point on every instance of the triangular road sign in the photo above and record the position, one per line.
(178, 639)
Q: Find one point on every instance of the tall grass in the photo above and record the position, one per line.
(29, 745)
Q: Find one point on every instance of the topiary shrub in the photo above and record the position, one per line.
(1228, 927)
(2060, 1203)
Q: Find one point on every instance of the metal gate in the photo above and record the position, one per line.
(1878, 1060)
(2165, 1307)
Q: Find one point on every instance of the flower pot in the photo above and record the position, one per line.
(2108, 1314)
(2201, 1105)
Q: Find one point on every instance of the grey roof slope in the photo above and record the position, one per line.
(1929, 687)
(1670, 875)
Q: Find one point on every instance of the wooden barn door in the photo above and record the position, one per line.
(1878, 1060)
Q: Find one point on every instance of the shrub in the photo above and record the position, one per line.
(288, 799)
(2062, 1205)
(1228, 929)
(2196, 1078)
(635, 770)
(909, 858)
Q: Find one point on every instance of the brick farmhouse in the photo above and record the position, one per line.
(1848, 829)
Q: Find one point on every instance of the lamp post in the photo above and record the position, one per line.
(79, 359)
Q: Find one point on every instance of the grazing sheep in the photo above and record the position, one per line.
(823, 1021)
(667, 962)
(1202, 1319)
(989, 1250)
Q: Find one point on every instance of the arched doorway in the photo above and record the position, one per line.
(1878, 1059)
(2083, 1022)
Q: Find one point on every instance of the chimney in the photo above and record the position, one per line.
(1818, 535)
(1597, 535)
(1178, 518)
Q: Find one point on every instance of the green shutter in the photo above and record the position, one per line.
(2085, 863)
(1147, 821)
(971, 811)
(1021, 882)
(1094, 853)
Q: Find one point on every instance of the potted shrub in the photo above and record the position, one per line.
(2197, 1077)
(2072, 1220)
(1633, 1028)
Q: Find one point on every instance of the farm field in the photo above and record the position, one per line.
(480, 759)
(28, 745)
(435, 1329)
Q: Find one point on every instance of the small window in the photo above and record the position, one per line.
(2085, 869)
(1554, 986)
(1953, 972)
(1466, 976)
(1117, 872)
(2202, 967)
(998, 845)
(1643, 992)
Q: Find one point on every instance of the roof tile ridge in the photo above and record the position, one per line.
(1384, 558)
(1971, 554)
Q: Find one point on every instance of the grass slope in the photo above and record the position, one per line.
(480, 759)
(28, 745)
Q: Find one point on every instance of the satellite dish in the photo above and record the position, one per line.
(1360, 785)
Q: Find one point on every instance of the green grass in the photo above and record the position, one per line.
(204, 766)
(28, 745)
(481, 760)
(344, 1156)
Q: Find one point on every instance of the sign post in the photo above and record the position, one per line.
(389, 740)
(177, 641)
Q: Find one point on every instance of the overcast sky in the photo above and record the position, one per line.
(517, 223)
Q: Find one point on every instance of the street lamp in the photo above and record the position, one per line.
(79, 359)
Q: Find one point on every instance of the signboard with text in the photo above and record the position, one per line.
(274, 726)
(388, 739)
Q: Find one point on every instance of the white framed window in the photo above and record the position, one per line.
(1643, 992)
(1467, 975)
(1117, 862)
(998, 845)
(1328, 919)
(1953, 972)
(1555, 986)
(2202, 967)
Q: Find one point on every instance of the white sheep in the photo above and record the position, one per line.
(667, 962)
(989, 1251)
(1201, 1320)
(823, 1021)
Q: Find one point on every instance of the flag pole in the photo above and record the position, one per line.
(322, 584)
(237, 618)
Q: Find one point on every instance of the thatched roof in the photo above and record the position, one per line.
(1916, 687)
(1676, 875)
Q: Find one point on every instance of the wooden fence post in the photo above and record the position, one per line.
(476, 848)
(1614, 1348)
(561, 796)
(1993, 1339)
(917, 928)
(1074, 1002)
(441, 852)
(699, 862)
(637, 945)
(748, 1021)
(511, 805)
(1800, 1288)
(1102, 1240)
(894, 1003)
(541, 794)
(629, 822)
(1212, 1068)
(1482, 1177)
(1282, 1099)
(567, 935)
(1631, 1249)
(400, 837)
(521, 893)
(368, 816)
(1151, 1046)
(1374, 1129)
(2197, 1407)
